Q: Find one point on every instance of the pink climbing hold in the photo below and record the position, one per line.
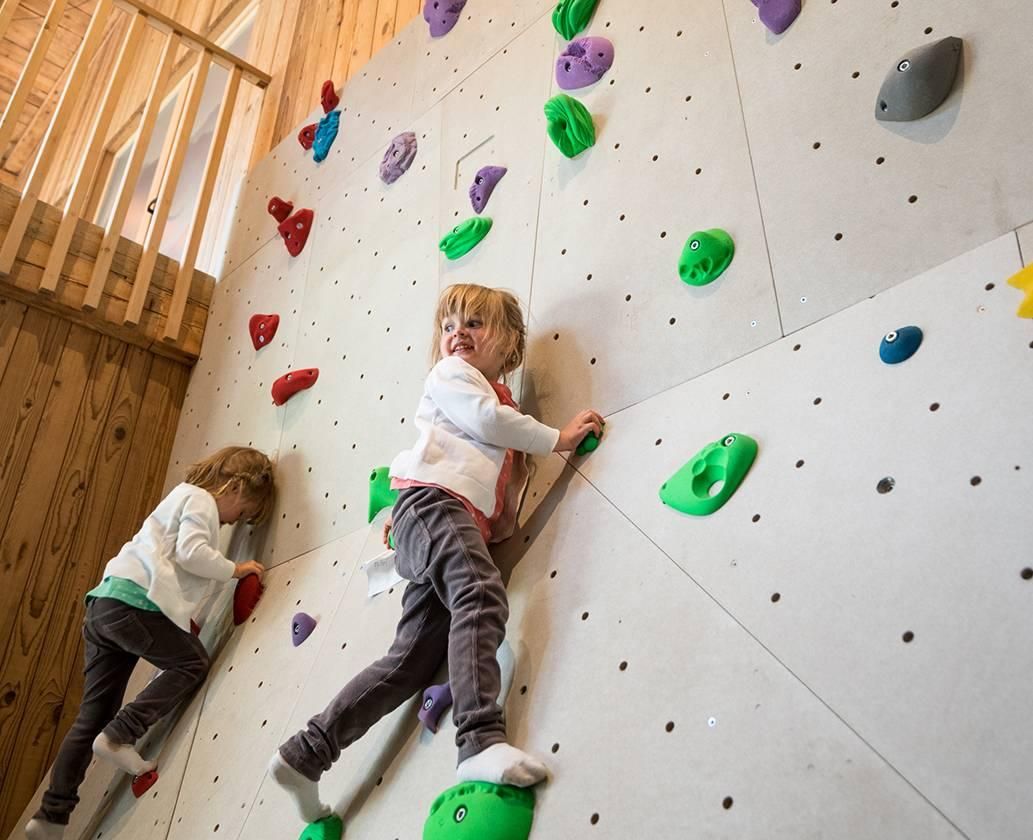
(307, 136)
(263, 329)
(279, 209)
(295, 231)
(328, 96)
(290, 383)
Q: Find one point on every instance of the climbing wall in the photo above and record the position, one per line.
(843, 649)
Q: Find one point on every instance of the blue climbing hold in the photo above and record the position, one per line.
(900, 345)
(326, 133)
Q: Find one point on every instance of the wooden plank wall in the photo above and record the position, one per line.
(86, 427)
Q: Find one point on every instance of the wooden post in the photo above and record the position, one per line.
(142, 282)
(94, 146)
(49, 143)
(27, 79)
(125, 195)
(211, 169)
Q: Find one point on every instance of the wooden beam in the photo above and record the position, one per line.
(211, 170)
(168, 189)
(95, 145)
(7, 11)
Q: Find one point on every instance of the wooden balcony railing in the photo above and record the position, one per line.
(176, 36)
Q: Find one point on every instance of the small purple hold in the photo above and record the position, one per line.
(302, 626)
(442, 15)
(778, 15)
(584, 62)
(484, 183)
(436, 701)
(398, 157)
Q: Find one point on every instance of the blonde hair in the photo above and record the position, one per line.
(500, 312)
(234, 467)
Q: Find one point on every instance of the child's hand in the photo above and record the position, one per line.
(249, 568)
(387, 531)
(574, 432)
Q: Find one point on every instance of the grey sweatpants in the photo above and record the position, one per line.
(117, 636)
(455, 604)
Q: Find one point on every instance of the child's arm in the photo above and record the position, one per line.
(194, 551)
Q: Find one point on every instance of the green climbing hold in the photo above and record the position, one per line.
(706, 255)
(380, 493)
(329, 828)
(571, 16)
(589, 443)
(464, 237)
(481, 811)
(726, 460)
(570, 125)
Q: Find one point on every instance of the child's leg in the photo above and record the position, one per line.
(108, 669)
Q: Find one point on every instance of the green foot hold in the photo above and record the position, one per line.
(570, 125)
(571, 16)
(330, 828)
(589, 443)
(707, 254)
(465, 237)
(481, 811)
(727, 460)
(380, 493)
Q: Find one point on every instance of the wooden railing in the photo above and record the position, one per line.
(176, 36)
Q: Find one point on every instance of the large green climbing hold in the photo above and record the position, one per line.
(329, 828)
(726, 460)
(570, 125)
(705, 257)
(380, 493)
(589, 443)
(481, 811)
(571, 16)
(464, 237)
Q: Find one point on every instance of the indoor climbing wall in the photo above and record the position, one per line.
(842, 650)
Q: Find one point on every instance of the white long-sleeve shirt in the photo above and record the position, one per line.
(464, 432)
(174, 556)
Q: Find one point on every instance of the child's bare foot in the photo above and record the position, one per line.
(502, 764)
(303, 792)
(122, 756)
(37, 829)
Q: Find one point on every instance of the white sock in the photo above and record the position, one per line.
(303, 792)
(122, 756)
(37, 829)
(502, 764)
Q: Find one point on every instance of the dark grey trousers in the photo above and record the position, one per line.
(455, 604)
(117, 637)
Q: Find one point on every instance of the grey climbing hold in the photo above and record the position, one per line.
(484, 183)
(919, 82)
(398, 157)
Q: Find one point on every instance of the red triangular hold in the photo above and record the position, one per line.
(279, 209)
(329, 96)
(263, 329)
(144, 782)
(195, 628)
(290, 383)
(295, 231)
(307, 136)
(245, 598)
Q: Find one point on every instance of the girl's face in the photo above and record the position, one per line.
(233, 507)
(469, 340)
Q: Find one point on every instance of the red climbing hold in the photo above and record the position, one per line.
(144, 782)
(195, 628)
(307, 136)
(245, 598)
(263, 329)
(329, 96)
(295, 231)
(290, 383)
(279, 209)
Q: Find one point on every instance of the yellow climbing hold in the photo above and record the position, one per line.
(1024, 281)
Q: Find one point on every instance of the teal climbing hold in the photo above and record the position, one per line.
(705, 257)
(464, 237)
(589, 443)
(380, 493)
(329, 828)
(570, 125)
(727, 460)
(481, 811)
(571, 16)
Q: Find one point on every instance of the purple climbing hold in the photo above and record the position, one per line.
(484, 183)
(398, 157)
(442, 15)
(436, 701)
(777, 15)
(584, 62)
(302, 626)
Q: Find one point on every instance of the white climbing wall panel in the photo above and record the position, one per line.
(816, 659)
